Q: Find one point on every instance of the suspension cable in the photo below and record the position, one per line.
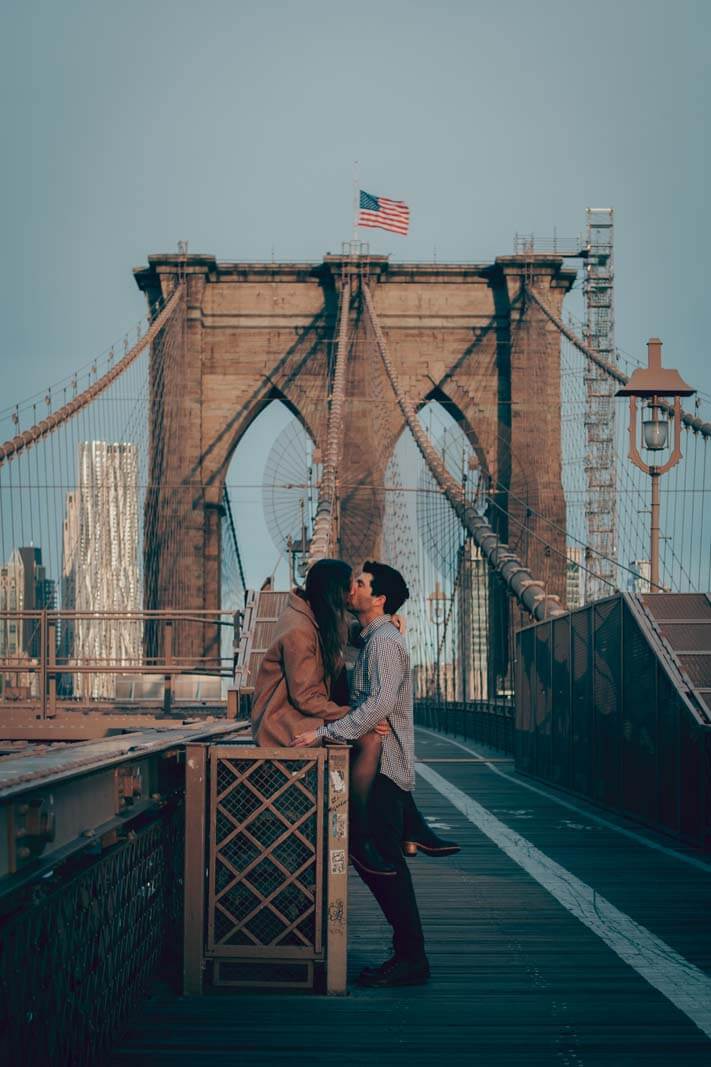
(692, 421)
(10, 449)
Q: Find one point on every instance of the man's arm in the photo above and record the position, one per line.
(388, 667)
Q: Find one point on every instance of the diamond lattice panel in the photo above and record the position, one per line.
(264, 859)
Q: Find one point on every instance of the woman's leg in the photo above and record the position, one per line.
(365, 761)
(417, 835)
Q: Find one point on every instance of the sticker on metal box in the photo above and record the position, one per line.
(337, 781)
(338, 861)
(338, 824)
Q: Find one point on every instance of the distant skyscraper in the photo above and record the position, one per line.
(10, 599)
(473, 624)
(640, 581)
(100, 563)
(23, 587)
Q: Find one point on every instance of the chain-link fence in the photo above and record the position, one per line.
(77, 949)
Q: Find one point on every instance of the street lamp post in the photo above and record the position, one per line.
(437, 602)
(655, 384)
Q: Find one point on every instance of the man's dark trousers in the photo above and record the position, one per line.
(395, 895)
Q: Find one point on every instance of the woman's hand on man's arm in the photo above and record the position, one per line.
(304, 740)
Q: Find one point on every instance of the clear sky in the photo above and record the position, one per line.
(234, 125)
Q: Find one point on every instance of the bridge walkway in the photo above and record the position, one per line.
(558, 936)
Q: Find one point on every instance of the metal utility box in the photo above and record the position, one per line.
(266, 862)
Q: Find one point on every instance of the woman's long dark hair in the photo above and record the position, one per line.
(327, 586)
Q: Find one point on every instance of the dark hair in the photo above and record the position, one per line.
(327, 586)
(386, 581)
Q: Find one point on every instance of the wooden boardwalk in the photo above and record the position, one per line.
(517, 978)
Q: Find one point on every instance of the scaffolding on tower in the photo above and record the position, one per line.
(599, 334)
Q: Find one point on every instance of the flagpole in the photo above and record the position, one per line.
(356, 199)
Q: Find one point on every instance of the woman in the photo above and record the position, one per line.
(300, 685)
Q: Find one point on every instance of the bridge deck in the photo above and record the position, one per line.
(517, 975)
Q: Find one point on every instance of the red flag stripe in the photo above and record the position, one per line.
(377, 220)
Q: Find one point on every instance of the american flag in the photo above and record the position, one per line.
(378, 211)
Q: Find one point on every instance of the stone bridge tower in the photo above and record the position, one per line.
(461, 334)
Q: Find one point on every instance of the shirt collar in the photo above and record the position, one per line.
(373, 626)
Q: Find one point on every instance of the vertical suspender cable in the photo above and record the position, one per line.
(233, 535)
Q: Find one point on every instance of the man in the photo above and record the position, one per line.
(382, 689)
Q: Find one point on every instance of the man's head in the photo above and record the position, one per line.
(377, 590)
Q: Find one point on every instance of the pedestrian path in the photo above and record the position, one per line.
(556, 937)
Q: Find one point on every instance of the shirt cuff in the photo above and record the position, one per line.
(322, 731)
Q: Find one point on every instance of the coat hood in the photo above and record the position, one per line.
(299, 603)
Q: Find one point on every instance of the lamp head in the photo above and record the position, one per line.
(655, 380)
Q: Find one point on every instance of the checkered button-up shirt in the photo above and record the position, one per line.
(382, 689)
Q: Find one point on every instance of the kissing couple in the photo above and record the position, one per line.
(301, 699)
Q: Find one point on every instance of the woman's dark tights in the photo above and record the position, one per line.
(365, 761)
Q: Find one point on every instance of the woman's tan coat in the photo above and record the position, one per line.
(290, 693)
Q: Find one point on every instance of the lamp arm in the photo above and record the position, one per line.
(676, 453)
(634, 451)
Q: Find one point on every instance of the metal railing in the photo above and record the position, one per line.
(79, 949)
(532, 244)
(489, 721)
(91, 892)
(77, 659)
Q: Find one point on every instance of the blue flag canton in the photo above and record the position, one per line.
(368, 202)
